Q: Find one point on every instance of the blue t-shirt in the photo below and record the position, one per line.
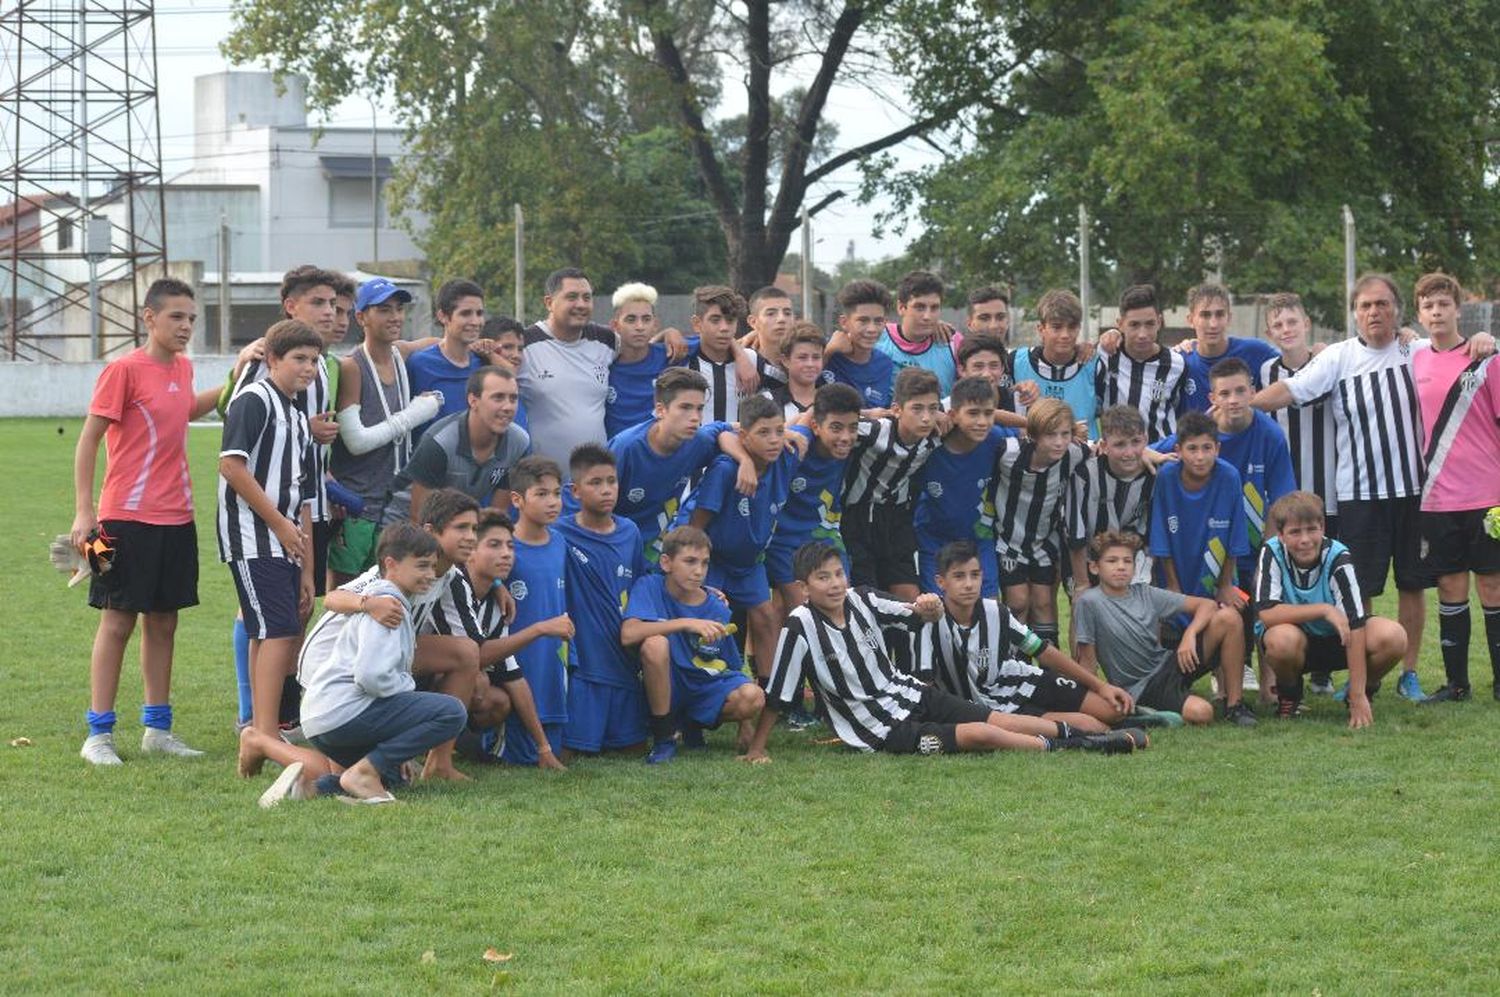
(954, 501)
(1198, 530)
(428, 370)
(934, 356)
(538, 585)
(1254, 352)
(632, 389)
(815, 500)
(652, 485)
(1261, 455)
(601, 569)
(742, 525)
(1071, 382)
(650, 601)
(873, 379)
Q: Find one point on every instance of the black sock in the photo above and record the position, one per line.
(662, 728)
(1492, 634)
(1063, 730)
(291, 701)
(1453, 634)
(1047, 631)
(1289, 690)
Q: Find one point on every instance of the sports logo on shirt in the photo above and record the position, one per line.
(611, 396)
(1218, 524)
(636, 494)
(929, 744)
(581, 557)
(870, 640)
(1468, 383)
(798, 485)
(1158, 391)
(935, 489)
(744, 506)
(1189, 386)
(518, 590)
(1172, 524)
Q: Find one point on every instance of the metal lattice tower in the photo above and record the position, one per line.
(80, 140)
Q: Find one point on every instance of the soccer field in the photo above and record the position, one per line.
(1295, 857)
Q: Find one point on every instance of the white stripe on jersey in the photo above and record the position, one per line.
(1311, 435)
(1030, 506)
(455, 614)
(279, 462)
(981, 662)
(1099, 501)
(313, 400)
(722, 403)
(881, 467)
(1154, 387)
(421, 604)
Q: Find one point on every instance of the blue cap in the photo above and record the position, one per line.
(378, 289)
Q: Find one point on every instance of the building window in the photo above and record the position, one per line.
(349, 202)
(64, 233)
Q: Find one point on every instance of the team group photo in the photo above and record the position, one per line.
(616, 598)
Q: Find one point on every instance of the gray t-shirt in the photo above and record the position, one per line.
(1124, 631)
(564, 386)
(445, 459)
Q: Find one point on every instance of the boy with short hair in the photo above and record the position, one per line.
(1310, 614)
(1029, 491)
(717, 312)
(606, 704)
(266, 493)
(140, 410)
(1111, 491)
(988, 315)
(863, 306)
(740, 526)
(802, 363)
(1198, 534)
(445, 366)
(953, 490)
(1143, 373)
(682, 629)
(985, 356)
(508, 339)
(878, 485)
(771, 319)
(1310, 431)
(1208, 314)
(1053, 369)
(640, 358)
(913, 340)
(979, 651)
(837, 640)
(1119, 626)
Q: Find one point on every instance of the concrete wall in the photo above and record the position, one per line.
(64, 389)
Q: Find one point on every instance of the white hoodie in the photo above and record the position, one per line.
(349, 661)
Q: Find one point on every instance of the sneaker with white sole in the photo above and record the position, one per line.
(288, 786)
(163, 742)
(1252, 680)
(99, 749)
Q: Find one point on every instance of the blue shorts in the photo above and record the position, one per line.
(698, 695)
(519, 748)
(743, 587)
(604, 717)
(990, 587)
(268, 588)
(779, 561)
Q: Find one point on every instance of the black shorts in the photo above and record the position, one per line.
(1379, 532)
(1455, 542)
(155, 568)
(1049, 692)
(322, 536)
(881, 544)
(931, 728)
(1014, 572)
(1325, 652)
(269, 588)
(1168, 687)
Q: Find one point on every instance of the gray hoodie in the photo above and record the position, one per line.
(348, 662)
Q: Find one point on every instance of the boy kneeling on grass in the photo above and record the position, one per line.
(1118, 623)
(1311, 614)
(360, 707)
(836, 638)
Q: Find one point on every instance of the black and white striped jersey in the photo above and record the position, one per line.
(422, 603)
(456, 612)
(315, 399)
(849, 665)
(1375, 411)
(881, 467)
(1031, 506)
(722, 403)
(1154, 387)
(1099, 501)
(270, 432)
(986, 662)
(1312, 437)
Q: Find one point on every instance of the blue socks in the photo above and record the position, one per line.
(101, 723)
(242, 668)
(159, 717)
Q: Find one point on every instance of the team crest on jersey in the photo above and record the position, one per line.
(1158, 391)
(498, 475)
(929, 744)
(579, 555)
(518, 590)
(636, 494)
(872, 394)
(1218, 524)
(870, 640)
(799, 485)
(611, 396)
(935, 489)
(744, 506)
(1172, 524)
(1468, 383)
(1189, 386)
(1008, 565)
(601, 373)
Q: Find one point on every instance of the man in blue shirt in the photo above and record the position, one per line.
(863, 306)
(1208, 314)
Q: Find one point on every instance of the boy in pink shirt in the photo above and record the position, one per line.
(1460, 401)
(140, 410)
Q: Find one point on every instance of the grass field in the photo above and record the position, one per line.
(1296, 857)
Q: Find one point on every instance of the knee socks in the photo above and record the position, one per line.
(1453, 634)
(242, 669)
(1492, 636)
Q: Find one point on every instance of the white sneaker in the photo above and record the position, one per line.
(163, 742)
(288, 786)
(1252, 680)
(99, 749)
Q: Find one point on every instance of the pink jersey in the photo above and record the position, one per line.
(1460, 401)
(148, 404)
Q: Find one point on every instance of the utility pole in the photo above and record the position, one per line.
(1083, 265)
(520, 219)
(1348, 271)
(224, 267)
(374, 186)
(807, 268)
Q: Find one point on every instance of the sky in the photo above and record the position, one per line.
(188, 33)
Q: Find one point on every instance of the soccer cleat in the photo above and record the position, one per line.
(292, 734)
(1320, 684)
(288, 786)
(798, 718)
(164, 742)
(1288, 708)
(662, 753)
(1111, 742)
(1342, 696)
(1145, 716)
(99, 749)
(1409, 688)
(1449, 694)
(1240, 714)
(1251, 681)
(692, 737)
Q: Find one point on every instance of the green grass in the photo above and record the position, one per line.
(1292, 858)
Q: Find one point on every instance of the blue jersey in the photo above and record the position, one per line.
(931, 355)
(742, 525)
(632, 389)
(650, 601)
(873, 379)
(1261, 455)
(953, 499)
(1071, 382)
(1198, 530)
(815, 500)
(1195, 386)
(601, 569)
(429, 370)
(652, 485)
(538, 586)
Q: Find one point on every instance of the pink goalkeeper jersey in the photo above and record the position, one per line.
(148, 405)
(1460, 401)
